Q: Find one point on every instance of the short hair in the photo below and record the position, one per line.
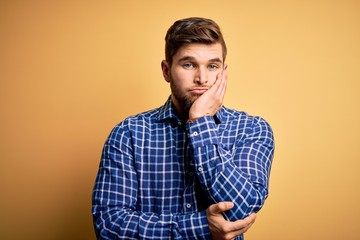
(192, 30)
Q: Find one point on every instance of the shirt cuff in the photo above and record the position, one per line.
(202, 132)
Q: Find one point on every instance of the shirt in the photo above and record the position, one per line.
(158, 174)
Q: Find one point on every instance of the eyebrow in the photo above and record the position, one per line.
(190, 58)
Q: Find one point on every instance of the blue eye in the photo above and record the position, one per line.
(213, 66)
(188, 65)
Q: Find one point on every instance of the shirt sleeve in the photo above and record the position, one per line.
(115, 199)
(241, 174)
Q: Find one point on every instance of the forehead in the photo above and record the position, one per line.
(199, 52)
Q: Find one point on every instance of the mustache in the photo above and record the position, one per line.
(202, 86)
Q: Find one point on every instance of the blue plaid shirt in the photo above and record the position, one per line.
(158, 175)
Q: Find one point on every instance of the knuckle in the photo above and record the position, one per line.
(225, 230)
(228, 236)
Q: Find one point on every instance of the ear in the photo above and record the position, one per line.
(165, 70)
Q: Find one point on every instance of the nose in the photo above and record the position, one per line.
(201, 76)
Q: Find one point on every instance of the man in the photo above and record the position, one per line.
(191, 169)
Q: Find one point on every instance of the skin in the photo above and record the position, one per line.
(198, 77)
(222, 229)
(197, 73)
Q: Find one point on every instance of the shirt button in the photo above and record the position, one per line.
(200, 169)
(188, 205)
(191, 174)
(179, 123)
(195, 133)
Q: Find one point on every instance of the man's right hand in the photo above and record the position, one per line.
(212, 100)
(222, 229)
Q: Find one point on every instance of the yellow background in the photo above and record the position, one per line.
(71, 70)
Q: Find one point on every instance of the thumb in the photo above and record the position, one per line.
(220, 207)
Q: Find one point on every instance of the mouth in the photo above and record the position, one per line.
(198, 90)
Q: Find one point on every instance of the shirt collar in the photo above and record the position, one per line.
(167, 111)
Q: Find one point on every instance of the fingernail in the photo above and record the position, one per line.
(230, 204)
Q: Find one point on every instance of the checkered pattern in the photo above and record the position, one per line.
(158, 175)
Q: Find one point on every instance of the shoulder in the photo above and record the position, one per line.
(240, 116)
(134, 122)
(147, 116)
(249, 123)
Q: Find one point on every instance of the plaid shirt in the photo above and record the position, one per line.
(158, 175)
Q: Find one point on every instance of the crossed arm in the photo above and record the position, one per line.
(235, 183)
(226, 182)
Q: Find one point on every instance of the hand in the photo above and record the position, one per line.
(222, 229)
(211, 100)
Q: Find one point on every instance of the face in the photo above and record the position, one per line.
(193, 71)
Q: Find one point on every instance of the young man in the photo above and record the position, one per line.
(191, 169)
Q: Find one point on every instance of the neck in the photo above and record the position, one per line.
(182, 113)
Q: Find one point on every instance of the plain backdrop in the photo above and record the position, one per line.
(71, 70)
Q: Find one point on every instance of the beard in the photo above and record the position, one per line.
(185, 101)
(183, 98)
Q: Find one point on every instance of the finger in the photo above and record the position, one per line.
(240, 226)
(244, 223)
(223, 83)
(223, 78)
(218, 85)
(220, 207)
(222, 87)
(242, 230)
(245, 229)
(238, 232)
(220, 77)
(249, 219)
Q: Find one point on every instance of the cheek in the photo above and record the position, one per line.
(212, 77)
(182, 78)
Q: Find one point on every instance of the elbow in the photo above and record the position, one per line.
(101, 227)
(258, 200)
(244, 205)
(109, 225)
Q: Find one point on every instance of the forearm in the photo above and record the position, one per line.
(193, 226)
(238, 173)
(115, 208)
(117, 216)
(121, 223)
(226, 182)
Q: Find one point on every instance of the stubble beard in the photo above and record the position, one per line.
(185, 101)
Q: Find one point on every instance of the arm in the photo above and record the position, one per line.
(115, 198)
(240, 176)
